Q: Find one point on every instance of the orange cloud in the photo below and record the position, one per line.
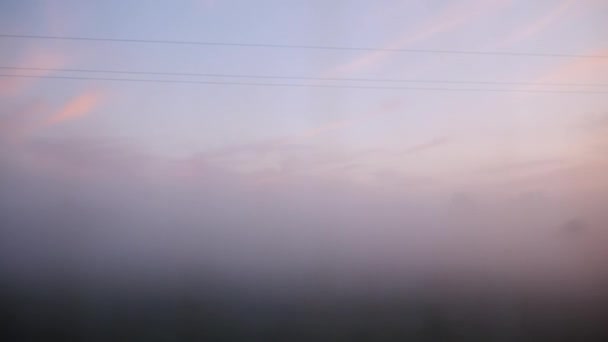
(76, 108)
(451, 18)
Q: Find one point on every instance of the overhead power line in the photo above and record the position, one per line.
(254, 84)
(298, 46)
(131, 72)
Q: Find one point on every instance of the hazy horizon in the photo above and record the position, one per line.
(339, 151)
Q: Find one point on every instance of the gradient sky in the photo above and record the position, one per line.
(181, 120)
(273, 142)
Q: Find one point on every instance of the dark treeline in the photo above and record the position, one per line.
(200, 311)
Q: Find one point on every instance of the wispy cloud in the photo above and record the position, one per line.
(552, 16)
(438, 142)
(522, 166)
(450, 18)
(579, 177)
(583, 170)
(297, 154)
(77, 107)
(385, 108)
(19, 124)
(593, 141)
(295, 141)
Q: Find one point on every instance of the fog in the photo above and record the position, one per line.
(98, 219)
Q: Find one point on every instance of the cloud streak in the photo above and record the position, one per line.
(294, 141)
(76, 108)
(449, 19)
(524, 165)
(554, 15)
(385, 108)
(438, 142)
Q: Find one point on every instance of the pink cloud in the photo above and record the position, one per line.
(77, 107)
(19, 124)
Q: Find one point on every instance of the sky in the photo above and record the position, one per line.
(278, 178)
